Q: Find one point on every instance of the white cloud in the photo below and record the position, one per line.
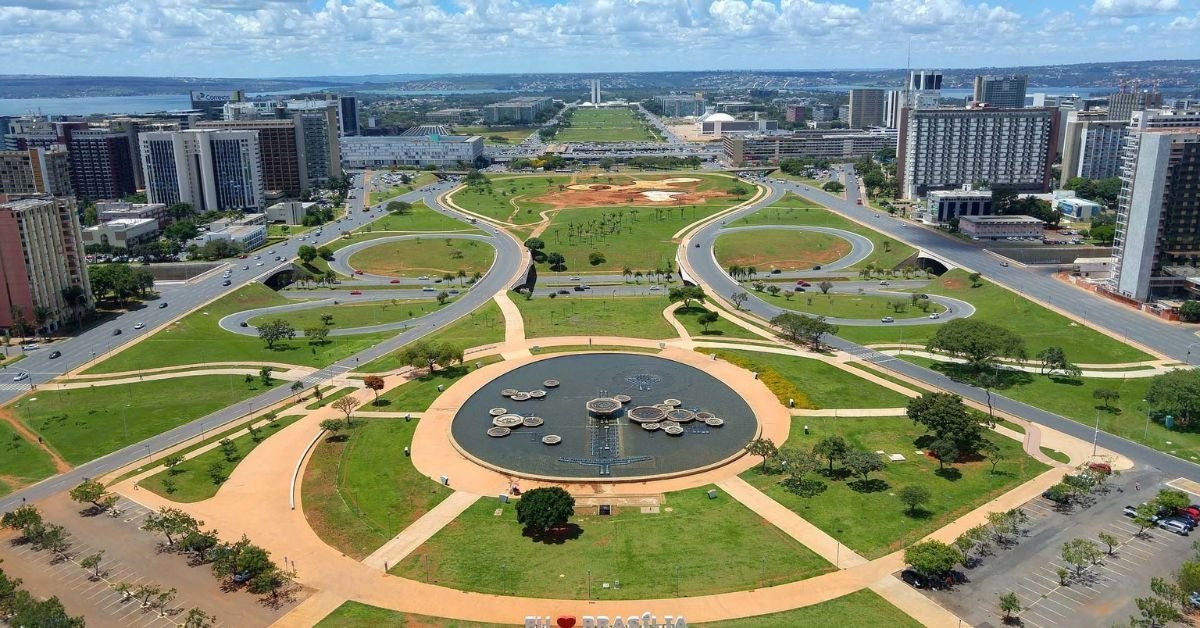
(1133, 8)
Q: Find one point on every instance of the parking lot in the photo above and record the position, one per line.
(1104, 595)
(131, 555)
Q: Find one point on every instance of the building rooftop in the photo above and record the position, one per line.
(1000, 220)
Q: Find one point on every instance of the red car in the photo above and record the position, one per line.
(394, 281)
(358, 272)
(355, 293)
(803, 284)
(859, 201)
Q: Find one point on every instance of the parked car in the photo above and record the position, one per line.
(1174, 525)
(55, 354)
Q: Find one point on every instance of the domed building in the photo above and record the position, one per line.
(718, 124)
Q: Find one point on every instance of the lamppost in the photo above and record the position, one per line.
(1146, 433)
(1096, 434)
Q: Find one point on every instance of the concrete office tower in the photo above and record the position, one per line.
(682, 105)
(594, 85)
(322, 155)
(866, 108)
(797, 114)
(941, 149)
(1001, 91)
(41, 254)
(35, 171)
(1091, 146)
(893, 104)
(101, 163)
(1122, 104)
(348, 118)
(281, 147)
(1157, 246)
(208, 169)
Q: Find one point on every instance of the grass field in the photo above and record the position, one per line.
(350, 315)
(634, 317)
(357, 615)
(605, 126)
(653, 555)
(723, 328)
(21, 462)
(197, 338)
(360, 491)
(821, 385)
(418, 394)
(419, 218)
(865, 306)
(797, 210)
(1039, 326)
(840, 510)
(782, 249)
(193, 481)
(86, 423)
(484, 326)
(494, 137)
(1072, 398)
(432, 256)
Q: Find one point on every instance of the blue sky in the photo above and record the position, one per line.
(316, 37)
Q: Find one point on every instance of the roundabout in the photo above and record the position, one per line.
(598, 437)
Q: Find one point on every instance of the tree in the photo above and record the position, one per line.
(863, 463)
(399, 208)
(825, 287)
(945, 450)
(273, 331)
(687, 294)
(173, 523)
(946, 417)
(1079, 553)
(557, 262)
(199, 543)
(56, 539)
(546, 508)
(913, 496)
(803, 329)
(831, 448)
(264, 375)
(595, 258)
(442, 297)
(833, 187)
(424, 354)
(992, 453)
(1177, 393)
(91, 562)
(375, 383)
(969, 540)
(739, 298)
(1172, 500)
(307, 253)
(1156, 612)
(798, 462)
(333, 426)
(316, 335)
(1189, 312)
(1059, 493)
(762, 447)
(1109, 540)
(346, 405)
(1106, 395)
(707, 318)
(93, 492)
(977, 342)
(1010, 605)
(197, 618)
(1054, 359)
(22, 518)
(931, 559)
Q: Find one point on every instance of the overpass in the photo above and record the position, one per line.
(927, 259)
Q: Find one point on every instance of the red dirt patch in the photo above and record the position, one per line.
(60, 465)
(954, 284)
(600, 195)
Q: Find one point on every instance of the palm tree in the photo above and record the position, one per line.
(462, 274)
(637, 277)
(626, 272)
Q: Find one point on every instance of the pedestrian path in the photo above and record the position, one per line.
(420, 531)
(1138, 369)
(849, 412)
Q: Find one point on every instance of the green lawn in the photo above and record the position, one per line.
(1072, 398)
(420, 218)
(86, 423)
(844, 512)
(820, 385)
(633, 317)
(616, 124)
(496, 137)
(782, 249)
(350, 315)
(197, 338)
(723, 328)
(193, 482)
(700, 546)
(21, 462)
(418, 394)
(425, 256)
(361, 491)
(861, 609)
(1039, 326)
(483, 326)
(864, 306)
(356, 615)
(797, 210)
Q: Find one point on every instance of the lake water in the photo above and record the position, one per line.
(87, 105)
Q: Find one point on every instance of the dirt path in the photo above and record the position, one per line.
(60, 465)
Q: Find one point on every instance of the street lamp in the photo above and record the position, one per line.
(1146, 433)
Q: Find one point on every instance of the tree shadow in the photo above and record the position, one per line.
(918, 513)
(804, 488)
(873, 485)
(1113, 410)
(1066, 381)
(836, 474)
(949, 473)
(553, 536)
(382, 403)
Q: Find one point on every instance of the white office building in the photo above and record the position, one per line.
(289, 212)
(121, 233)
(443, 151)
(210, 170)
(1078, 209)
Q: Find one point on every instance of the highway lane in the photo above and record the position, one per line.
(708, 273)
(511, 261)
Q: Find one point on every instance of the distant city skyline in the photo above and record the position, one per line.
(272, 38)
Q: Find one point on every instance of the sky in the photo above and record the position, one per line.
(273, 38)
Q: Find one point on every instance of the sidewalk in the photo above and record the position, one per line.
(420, 531)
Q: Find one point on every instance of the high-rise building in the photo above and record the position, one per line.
(1001, 91)
(522, 110)
(796, 113)
(1121, 105)
(594, 86)
(822, 112)
(1091, 146)
(447, 151)
(866, 108)
(322, 155)
(41, 256)
(210, 104)
(208, 169)
(1157, 245)
(681, 105)
(348, 115)
(750, 148)
(101, 163)
(941, 149)
(35, 171)
(281, 145)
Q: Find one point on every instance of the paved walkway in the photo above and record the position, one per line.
(1083, 365)
(293, 374)
(1156, 368)
(421, 530)
(849, 412)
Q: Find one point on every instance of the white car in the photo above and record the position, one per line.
(935, 315)
(576, 278)
(245, 268)
(20, 376)
(139, 325)
(887, 319)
